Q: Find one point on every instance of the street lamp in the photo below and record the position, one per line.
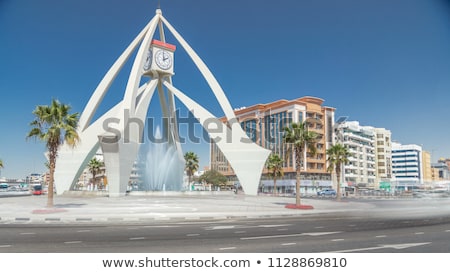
(339, 137)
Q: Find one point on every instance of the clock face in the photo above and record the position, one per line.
(163, 59)
(148, 60)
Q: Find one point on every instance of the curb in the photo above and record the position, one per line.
(123, 220)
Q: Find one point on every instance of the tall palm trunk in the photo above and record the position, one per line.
(298, 161)
(53, 153)
(338, 174)
(94, 180)
(275, 185)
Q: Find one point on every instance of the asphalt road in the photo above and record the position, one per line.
(362, 232)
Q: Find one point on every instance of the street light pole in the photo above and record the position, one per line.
(339, 136)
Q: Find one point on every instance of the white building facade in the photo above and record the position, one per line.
(407, 164)
(360, 141)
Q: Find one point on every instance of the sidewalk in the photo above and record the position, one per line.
(151, 208)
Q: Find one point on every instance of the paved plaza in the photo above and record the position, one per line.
(160, 207)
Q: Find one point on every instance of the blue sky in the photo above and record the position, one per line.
(384, 63)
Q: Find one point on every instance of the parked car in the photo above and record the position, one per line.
(37, 190)
(4, 186)
(327, 192)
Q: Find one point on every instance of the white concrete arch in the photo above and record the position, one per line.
(103, 87)
(246, 157)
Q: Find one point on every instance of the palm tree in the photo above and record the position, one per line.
(95, 166)
(300, 140)
(274, 165)
(337, 157)
(54, 125)
(191, 164)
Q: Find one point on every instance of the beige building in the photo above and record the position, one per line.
(426, 167)
(435, 174)
(264, 124)
(445, 160)
(441, 170)
(383, 156)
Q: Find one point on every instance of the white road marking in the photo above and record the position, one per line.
(320, 233)
(197, 222)
(337, 240)
(448, 230)
(399, 246)
(270, 226)
(380, 236)
(288, 244)
(282, 229)
(193, 235)
(246, 227)
(222, 227)
(319, 227)
(5, 246)
(227, 248)
(137, 238)
(240, 231)
(83, 230)
(159, 226)
(27, 233)
(418, 233)
(73, 242)
(290, 235)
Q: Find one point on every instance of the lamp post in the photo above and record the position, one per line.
(339, 137)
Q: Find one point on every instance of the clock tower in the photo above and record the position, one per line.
(159, 59)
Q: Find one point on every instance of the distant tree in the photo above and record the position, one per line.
(214, 177)
(191, 164)
(337, 157)
(300, 139)
(1, 165)
(274, 165)
(95, 166)
(54, 125)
